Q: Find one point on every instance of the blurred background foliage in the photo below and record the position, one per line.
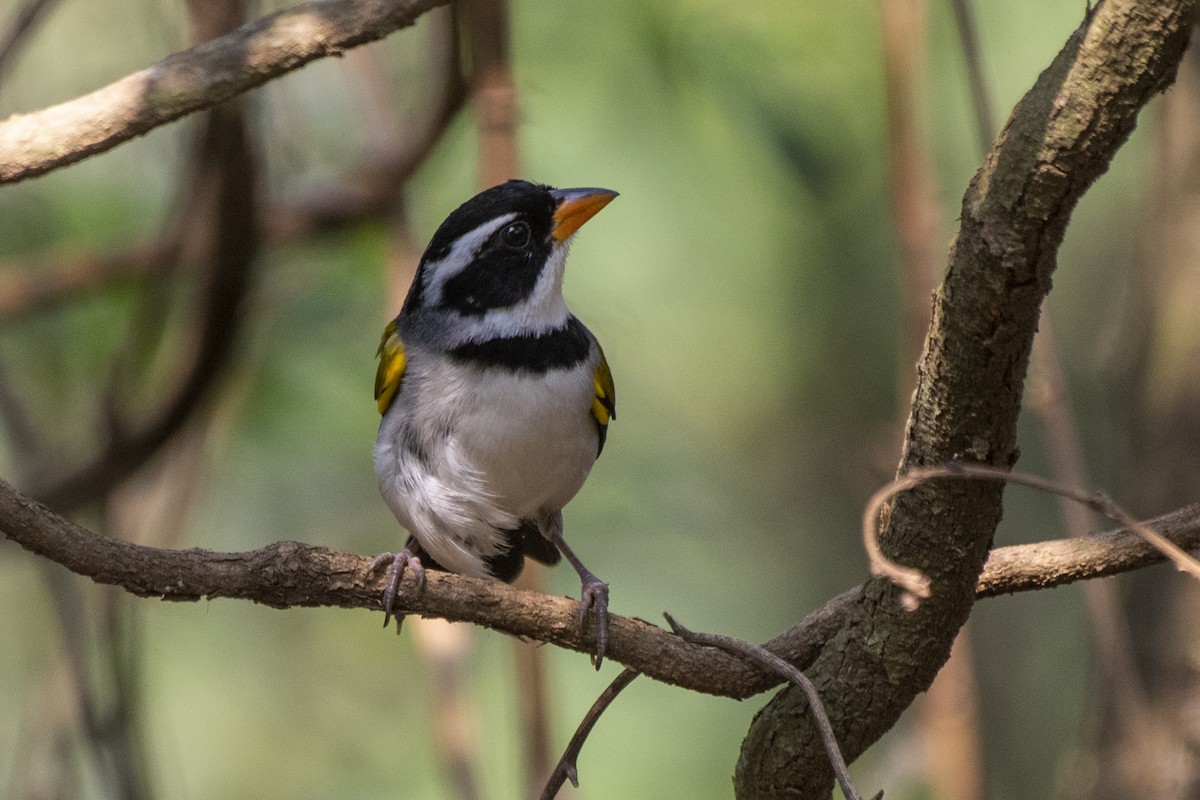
(747, 290)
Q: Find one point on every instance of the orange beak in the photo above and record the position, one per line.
(575, 207)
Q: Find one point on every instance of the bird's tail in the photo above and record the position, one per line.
(526, 540)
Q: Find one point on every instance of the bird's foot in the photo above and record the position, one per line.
(397, 563)
(593, 595)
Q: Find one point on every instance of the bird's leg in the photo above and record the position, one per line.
(397, 563)
(593, 594)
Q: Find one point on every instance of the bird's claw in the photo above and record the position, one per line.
(397, 563)
(594, 595)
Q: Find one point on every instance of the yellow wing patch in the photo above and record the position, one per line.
(604, 405)
(392, 361)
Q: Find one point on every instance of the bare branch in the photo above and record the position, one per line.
(194, 79)
(916, 584)
(1044, 565)
(287, 574)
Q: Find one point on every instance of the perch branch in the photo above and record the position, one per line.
(286, 574)
(194, 79)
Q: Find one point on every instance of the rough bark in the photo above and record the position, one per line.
(1060, 138)
(287, 574)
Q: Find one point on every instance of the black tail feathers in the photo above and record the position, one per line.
(524, 541)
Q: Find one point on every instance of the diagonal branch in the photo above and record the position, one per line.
(288, 574)
(567, 768)
(1044, 565)
(1060, 138)
(367, 192)
(194, 79)
(52, 279)
(23, 24)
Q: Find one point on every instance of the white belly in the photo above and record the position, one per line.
(493, 447)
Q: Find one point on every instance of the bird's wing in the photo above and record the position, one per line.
(392, 361)
(604, 404)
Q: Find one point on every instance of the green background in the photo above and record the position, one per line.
(746, 289)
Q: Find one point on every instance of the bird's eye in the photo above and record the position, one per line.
(515, 236)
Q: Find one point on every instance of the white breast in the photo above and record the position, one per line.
(464, 452)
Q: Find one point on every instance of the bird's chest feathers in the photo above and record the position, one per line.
(530, 436)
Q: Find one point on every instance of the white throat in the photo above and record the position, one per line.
(544, 309)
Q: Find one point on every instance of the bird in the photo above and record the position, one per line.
(495, 399)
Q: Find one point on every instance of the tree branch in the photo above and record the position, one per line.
(288, 574)
(1060, 138)
(798, 679)
(51, 279)
(1044, 565)
(194, 79)
(369, 190)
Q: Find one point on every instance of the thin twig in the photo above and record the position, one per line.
(798, 678)
(567, 767)
(24, 23)
(981, 96)
(916, 584)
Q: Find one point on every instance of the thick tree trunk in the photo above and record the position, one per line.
(1061, 137)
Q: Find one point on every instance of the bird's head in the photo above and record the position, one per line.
(500, 256)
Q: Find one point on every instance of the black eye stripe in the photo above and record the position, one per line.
(498, 277)
(500, 273)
